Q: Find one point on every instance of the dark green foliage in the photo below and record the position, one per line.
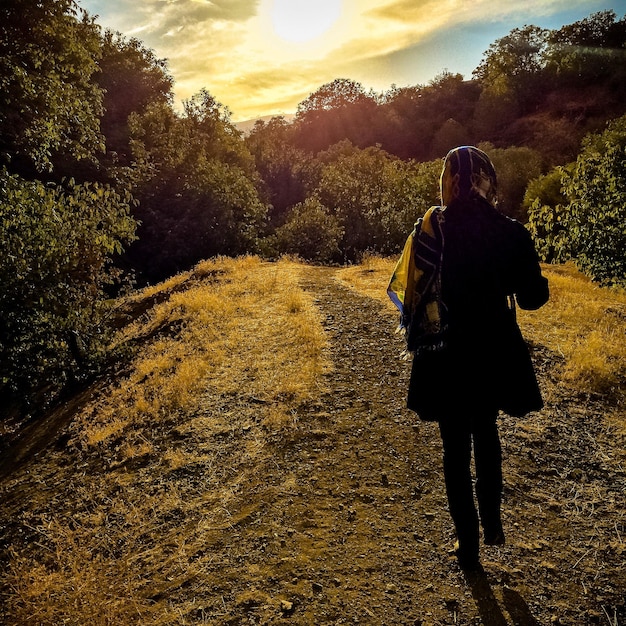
(547, 208)
(195, 184)
(376, 197)
(281, 166)
(596, 217)
(49, 105)
(57, 245)
(131, 78)
(311, 232)
(586, 218)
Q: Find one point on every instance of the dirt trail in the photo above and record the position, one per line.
(371, 534)
(342, 519)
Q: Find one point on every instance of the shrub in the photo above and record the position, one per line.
(311, 232)
(57, 248)
(596, 219)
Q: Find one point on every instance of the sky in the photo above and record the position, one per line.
(263, 57)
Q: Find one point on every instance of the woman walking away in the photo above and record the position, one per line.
(462, 269)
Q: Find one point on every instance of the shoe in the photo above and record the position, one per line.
(496, 538)
(468, 562)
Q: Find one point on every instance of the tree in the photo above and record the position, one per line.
(547, 206)
(131, 78)
(281, 166)
(196, 186)
(591, 49)
(514, 65)
(49, 103)
(422, 120)
(337, 110)
(58, 244)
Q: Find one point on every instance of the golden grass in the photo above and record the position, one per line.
(233, 347)
(233, 336)
(583, 323)
(164, 463)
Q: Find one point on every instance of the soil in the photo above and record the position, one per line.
(348, 524)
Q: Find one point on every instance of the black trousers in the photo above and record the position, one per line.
(458, 437)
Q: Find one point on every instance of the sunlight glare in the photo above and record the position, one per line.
(300, 21)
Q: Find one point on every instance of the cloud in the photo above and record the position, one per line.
(230, 48)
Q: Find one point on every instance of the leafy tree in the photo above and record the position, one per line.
(513, 65)
(596, 217)
(422, 120)
(337, 110)
(131, 78)
(310, 232)
(547, 208)
(281, 166)
(58, 243)
(196, 188)
(591, 49)
(49, 104)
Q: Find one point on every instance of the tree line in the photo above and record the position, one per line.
(104, 185)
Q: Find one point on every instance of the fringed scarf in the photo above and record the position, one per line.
(415, 286)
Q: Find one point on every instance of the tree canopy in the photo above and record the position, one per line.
(100, 176)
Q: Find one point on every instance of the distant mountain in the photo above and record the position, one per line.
(246, 126)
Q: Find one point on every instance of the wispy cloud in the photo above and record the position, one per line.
(229, 47)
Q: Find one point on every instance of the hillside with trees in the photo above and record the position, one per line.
(105, 185)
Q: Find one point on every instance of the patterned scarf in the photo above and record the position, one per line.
(415, 286)
(467, 174)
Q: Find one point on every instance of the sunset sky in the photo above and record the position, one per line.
(263, 57)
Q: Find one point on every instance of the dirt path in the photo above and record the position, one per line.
(370, 534)
(342, 519)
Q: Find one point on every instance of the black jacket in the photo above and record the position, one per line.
(485, 366)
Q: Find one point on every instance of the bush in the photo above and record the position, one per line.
(57, 248)
(311, 232)
(547, 208)
(586, 219)
(596, 219)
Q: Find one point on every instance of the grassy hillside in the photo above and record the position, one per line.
(151, 506)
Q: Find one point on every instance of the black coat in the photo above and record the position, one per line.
(485, 366)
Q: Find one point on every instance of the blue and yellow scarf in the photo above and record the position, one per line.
(415, 286)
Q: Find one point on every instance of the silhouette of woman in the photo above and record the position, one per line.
(462, 269)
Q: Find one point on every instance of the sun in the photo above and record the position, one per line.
(300, 21)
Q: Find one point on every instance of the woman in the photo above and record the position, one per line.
(456, 284)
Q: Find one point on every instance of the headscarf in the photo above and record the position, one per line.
(467, 174)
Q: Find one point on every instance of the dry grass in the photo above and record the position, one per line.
(583, 323)
(162, 467)
(148, 487)
(232, 336)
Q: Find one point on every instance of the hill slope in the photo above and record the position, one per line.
(290, 486)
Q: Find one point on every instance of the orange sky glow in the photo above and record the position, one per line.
(263, 57)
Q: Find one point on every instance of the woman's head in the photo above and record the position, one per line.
(467, 174)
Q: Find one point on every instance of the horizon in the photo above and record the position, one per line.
(261, 58)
